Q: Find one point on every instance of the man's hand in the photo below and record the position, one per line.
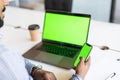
(43, 75)
(82, 67)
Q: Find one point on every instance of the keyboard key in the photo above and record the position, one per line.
(60, 50)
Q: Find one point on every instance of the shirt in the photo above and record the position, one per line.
(12, 65)
(76, 77)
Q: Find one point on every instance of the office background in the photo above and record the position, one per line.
(100, 34)
(101, 10)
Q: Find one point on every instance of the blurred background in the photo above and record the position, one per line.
(100, 10)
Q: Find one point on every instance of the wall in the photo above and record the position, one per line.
(14, 3)
(116, 16)
(99, 9)
(32, 4)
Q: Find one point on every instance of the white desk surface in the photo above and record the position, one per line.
(103, 63)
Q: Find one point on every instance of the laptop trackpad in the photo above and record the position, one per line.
(49, 57)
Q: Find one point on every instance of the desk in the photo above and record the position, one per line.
(103, 63)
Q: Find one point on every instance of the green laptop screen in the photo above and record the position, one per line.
(66, 28)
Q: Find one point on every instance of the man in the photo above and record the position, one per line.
(14, 67)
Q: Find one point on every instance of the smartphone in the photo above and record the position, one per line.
(85, 51)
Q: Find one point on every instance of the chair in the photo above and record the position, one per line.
(61, 5)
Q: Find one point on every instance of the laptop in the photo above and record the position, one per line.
(64, 39)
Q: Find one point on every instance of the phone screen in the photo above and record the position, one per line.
(83, 53)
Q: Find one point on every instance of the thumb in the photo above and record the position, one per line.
(88, 61)
(81, 61)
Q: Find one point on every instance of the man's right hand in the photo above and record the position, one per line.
(39, 74)
(82, 67)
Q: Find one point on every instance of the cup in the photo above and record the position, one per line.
(34, 32)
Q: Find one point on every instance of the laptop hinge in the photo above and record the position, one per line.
(62, 43)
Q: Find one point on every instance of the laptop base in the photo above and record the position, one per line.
(57, 60)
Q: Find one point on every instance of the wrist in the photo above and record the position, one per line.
(35, 70)
(81, 75)
(76, 77)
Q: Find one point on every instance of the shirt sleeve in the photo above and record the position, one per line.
(28, 66)
(76, 77)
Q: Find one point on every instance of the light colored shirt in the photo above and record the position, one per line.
(12, 65)
(76, 77)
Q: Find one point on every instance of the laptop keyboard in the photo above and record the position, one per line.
(60, 50)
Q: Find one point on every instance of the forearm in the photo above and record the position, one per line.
(29, 66)
(76, 77)
(32, 69)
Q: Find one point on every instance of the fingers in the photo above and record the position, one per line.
(81, 61)
(88, 61)
(53, 77)
(49, 76)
